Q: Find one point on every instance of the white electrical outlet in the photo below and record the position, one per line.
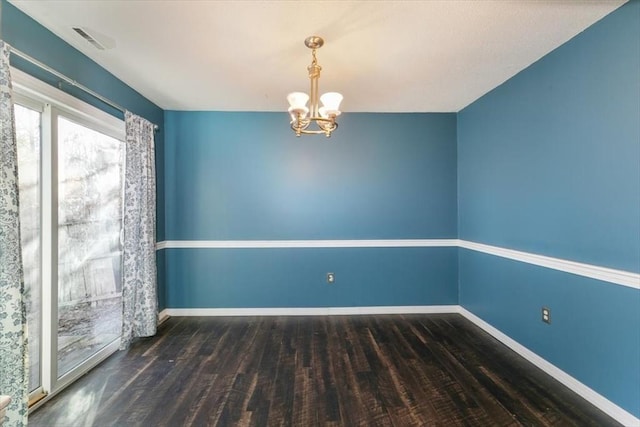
(546, 315)
(331, 277)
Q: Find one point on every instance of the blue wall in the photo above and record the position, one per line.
(245, 176)
(296, 277)
(25, 34)
(549, 163)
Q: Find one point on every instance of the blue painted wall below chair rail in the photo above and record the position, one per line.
(549, 163)
(296, 277)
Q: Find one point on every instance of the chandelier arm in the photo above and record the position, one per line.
(316, 132)
(325, 126)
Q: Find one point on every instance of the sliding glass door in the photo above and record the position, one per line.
(89, 224)
(70, 170)
(28, 135)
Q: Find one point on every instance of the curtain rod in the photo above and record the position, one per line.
(70, 81)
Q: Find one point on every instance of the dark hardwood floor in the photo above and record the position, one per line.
(397, 370)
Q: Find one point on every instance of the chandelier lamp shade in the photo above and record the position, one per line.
(307, 117)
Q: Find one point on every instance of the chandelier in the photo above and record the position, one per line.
(314, 120)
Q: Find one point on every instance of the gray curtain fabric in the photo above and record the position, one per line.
(14, 380)
(139, 281)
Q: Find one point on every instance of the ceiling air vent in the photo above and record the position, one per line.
(88, 37)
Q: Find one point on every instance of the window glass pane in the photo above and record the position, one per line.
(28, 139)
(89, 251)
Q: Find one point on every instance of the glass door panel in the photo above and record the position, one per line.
(90, 167)
(28, 141)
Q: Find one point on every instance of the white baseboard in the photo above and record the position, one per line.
(163, 316)
(275, 244)
(596, 399)
(311, 311)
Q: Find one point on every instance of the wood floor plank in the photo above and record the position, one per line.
(396, 371)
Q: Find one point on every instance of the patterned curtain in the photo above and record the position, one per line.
(14, 380)
(139, 300)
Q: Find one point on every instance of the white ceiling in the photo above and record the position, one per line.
(384, 56)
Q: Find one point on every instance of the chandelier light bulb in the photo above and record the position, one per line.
(298, 106)
(298, 101)
(331, 103)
